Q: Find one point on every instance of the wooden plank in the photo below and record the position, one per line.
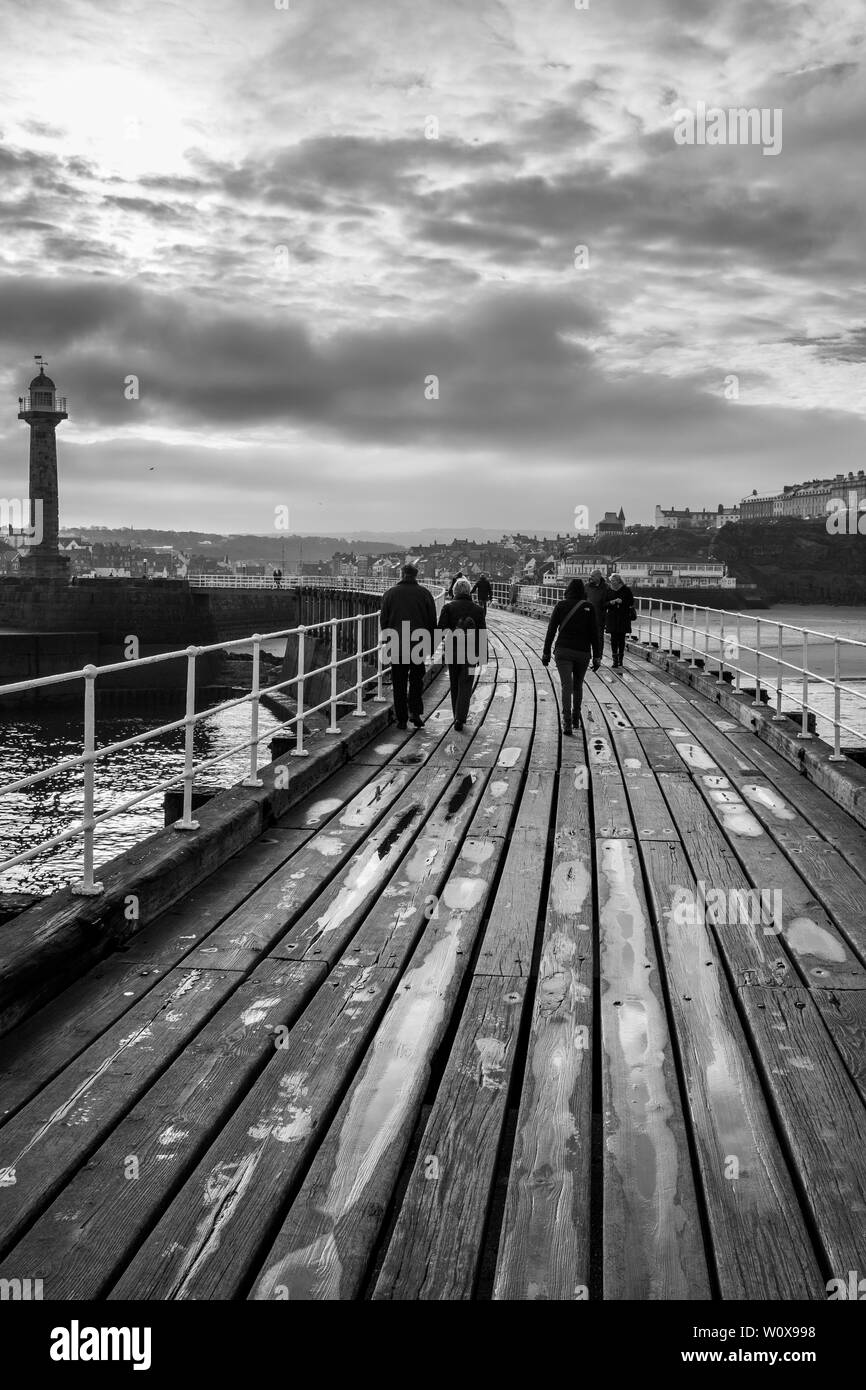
(821, 952)
(434, 1250)
(761, 1246)
(324, 1246)
(508, 942)
(211, 1234)
(34, 1052)
(653, 1248)
(659, 751)
(544, 1239)
(54, 1134)
(753, 955)
(82, 1241)
(820, 1113)
(844, 1014)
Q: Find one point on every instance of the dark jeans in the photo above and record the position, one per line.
(411, 676)
(572, 667)
(461, 677)
(617, 646)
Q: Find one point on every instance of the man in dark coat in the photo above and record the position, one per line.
(464, 626)
(599, 595)
(408, 617)
(450, 590)
(483, 590)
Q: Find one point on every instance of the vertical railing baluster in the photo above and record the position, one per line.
(333, 727)
(720, 676)
(804, 726)
(837, 756)
(299, 751)
(359, 712)
(186, 821)
(757, 700)
(379, 698)
(88, 888)
(252, 778)
(779, 717)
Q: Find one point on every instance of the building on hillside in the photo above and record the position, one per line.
(687, 520)
(612, 523)
(676, 574)
(810, 501)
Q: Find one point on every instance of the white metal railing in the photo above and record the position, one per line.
(364, 584)
(715, 635)
(92, 753)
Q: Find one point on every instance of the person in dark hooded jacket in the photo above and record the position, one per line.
(618, 617)
(483, 590)
(578, 641)
(598, 594)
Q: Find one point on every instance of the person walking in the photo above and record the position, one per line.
(278, 578)
(408, 612)
(598, 594)
(462, 622)
(450, 590)
(619, 616)
(483, 590)
(578, 642)
(514, 595)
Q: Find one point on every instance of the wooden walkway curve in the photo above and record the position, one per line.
(448, 1032)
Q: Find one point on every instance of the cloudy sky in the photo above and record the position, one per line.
(284, 221)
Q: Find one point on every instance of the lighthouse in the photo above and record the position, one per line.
(43, 411)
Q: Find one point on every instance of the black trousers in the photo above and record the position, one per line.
(461, 677)
(409, 678)
(572, 667)
(617, 645)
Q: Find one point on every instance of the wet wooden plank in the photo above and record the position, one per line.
(34, 1052)
(434, 1249)
(507, 945)
(761, 1246)
(659, 751)
(213, 1230)
(844, 1014)
(653, 1247)
(323, 1248)
(82, 1241)
(820, 1114)
(544, 1239)
(57, 1131)
(821, 952)
(753, 955)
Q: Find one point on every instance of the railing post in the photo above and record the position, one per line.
(693, 660)
(739, 680)
(804, 727)
(87, 888)
(186, 821)
(252, 778)
(299, 751)
(720, 678)
(379, 697)
(757, 702)
(359, 712)
(333, 727)
(837, 756)
(779, 717)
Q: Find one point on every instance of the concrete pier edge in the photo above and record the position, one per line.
(49, 945)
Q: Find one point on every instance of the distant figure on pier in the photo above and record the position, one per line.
(462, 622)
(578, 641)
(514, 596)
(620, 615)
(483, 590)
(278, 578)
(450, 590)
(408, 614)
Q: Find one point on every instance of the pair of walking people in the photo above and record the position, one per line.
(577, 625)
(408, 615)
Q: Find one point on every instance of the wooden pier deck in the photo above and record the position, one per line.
(449, 1031)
